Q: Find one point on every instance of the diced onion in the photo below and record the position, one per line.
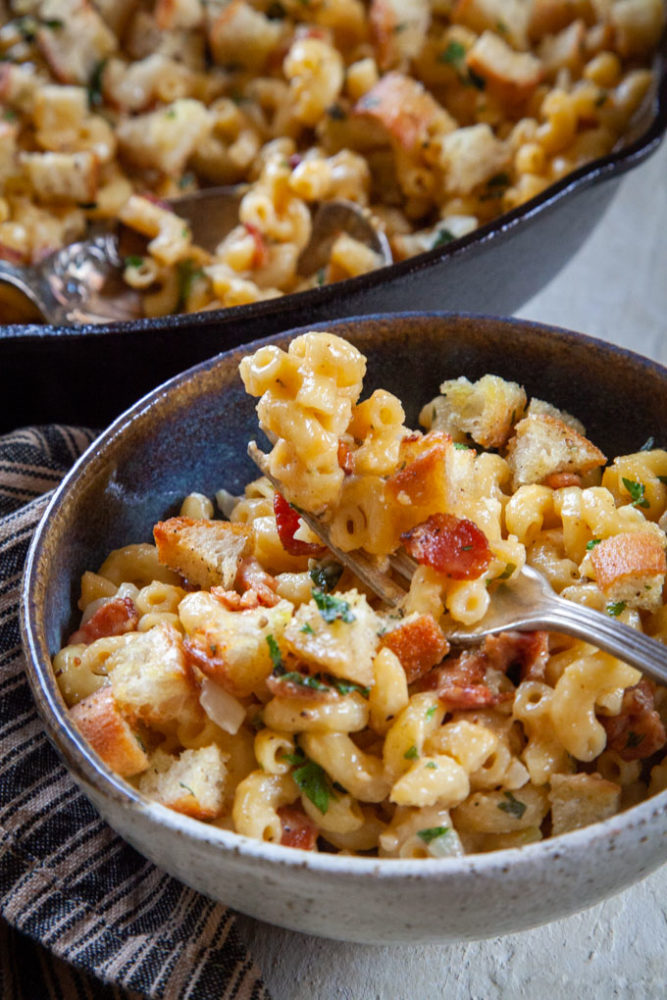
(221, 706)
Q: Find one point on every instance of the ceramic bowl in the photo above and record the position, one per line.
(191, 433)
(89, 374)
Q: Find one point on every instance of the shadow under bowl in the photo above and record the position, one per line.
(191, 434)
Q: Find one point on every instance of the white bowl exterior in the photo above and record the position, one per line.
(383, 902)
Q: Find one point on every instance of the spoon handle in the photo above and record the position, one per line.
(24, 279)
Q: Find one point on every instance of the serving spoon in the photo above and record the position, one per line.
(525, 603)
(82, 282)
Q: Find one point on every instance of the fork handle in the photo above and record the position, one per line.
(639, 650)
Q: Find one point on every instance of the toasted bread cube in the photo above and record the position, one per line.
(418, 642)
(242, 35)
(538, 407)
(206, 553)
(399, 29)
(543, 445)
(511, 17)
(99, 719)
(637, 25)
(170, 14)
(630, 568)
(192, 783)
(512, 75)
(566, 50)
(405, 109)
(579, 799)
(62, 177)
(150, 679)
(486, 409)
(74, 39)
(344, 646)
(165, 139)
(471, 156)
(548, 17)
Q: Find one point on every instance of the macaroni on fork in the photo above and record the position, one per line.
(235, 672)
(434, 117)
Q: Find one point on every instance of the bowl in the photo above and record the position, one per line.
(90, 374)
(191, 433)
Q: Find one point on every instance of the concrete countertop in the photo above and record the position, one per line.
(615, 289)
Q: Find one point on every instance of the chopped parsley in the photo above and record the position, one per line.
(442, 238)
(188, 789)
(453, 55)
(331, 607)
(274, 652)
(507, 572)
(347, 687)
(187, 275)
(134, 260)
(432, 766)
(616, 608)
(307, 629)
(432, 833)
(634, 739)
(412, 753)
(430, 712)
(593, 542)
(514, 807)
(636, 491)
(325, 575)
(313, 782)
(95, 84)
(462, 446)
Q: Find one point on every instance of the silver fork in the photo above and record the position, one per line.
(82, 282)
(523, 604)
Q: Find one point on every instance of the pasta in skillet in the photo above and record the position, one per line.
(235, 672)
(433, 117)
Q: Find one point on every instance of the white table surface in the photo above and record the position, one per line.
(614, 289)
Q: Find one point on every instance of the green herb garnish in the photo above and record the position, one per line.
(95, 84)
(453, 55)
(325, 575)
(615, 609)
(507, 572)
(314, 783)
(442, 238)
(512, 806)
(636, 491)
(432, 833)
(274, 652)
(412, 753)
(331, 607)
(593, 542)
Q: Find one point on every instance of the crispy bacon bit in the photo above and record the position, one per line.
(233, 601)
(298, 829)
(461, 683)
(260, 257)
(558, 480)
(288, 523)
(345, 458)
(637, 731)
(419, 644)
(205, 658)
(287, 686)
(530, 650)
(251, 577)
(450, 545)
(117, 616)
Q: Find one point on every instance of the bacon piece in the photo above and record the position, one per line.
(637, 731)
(251, 576)
(530, 650)
(557, 480)
(450, 545)
(404, 107)
(285, 687)
(419, 644)
(460, 684)
(288, 522)
(298, 828)
(345, 458)
(233, 601)
(115, 617)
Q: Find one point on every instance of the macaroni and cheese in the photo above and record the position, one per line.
(236, 672)
(435, 117)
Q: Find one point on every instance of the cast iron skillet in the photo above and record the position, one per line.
(90, 374)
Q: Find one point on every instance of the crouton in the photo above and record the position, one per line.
(170, 14)
(74, 39)
(486, 410)
(192, 783)
(150, 680)
(565, 50)
(548, 17)
(206, 553)
(62, 177)
(579, 799)
(637, 26)
(471, 156)
(407, 111)
(100, 721)
(164, 139)
(538, 407)
(543, 445)
(630, 568)
(512, 76)
(398, 28)
(242, 36)
(509, 17)
(418, 642)
(336, 635)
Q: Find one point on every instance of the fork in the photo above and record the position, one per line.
(525, 603)
(82, 282)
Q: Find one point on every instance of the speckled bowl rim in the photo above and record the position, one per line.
(94, 776)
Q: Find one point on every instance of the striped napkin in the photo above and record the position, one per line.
(81, 913)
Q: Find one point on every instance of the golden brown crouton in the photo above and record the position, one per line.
(406, 110)
(192, 784)
(398, 29)
(485, 409)
(512, 75)
(471, 156)
(206, 553)
(100, 721)
(580, 799)
(543, 445)
(637, 25)
(630, 567)
(511, 17)
(548, 17)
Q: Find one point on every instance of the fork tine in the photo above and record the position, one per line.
(361, 565)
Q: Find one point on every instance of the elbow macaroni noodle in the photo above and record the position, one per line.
(343, 725)
(435, 123)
